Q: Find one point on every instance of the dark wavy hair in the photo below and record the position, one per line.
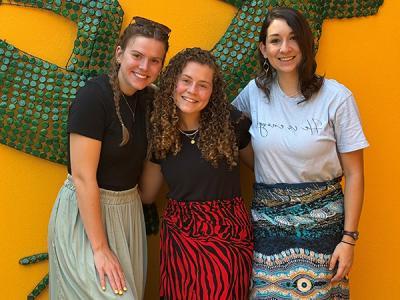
(216, 134)
(310, 83)
(145, 28)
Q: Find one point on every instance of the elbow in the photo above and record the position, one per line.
(145, 197)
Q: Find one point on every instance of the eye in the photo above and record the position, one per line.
(274, 41)
(203, 86)
(136, 55)
(185, 80)
(156, 61)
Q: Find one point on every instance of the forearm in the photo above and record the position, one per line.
(90, 211)
(353, 200)
(150, 182)
(247, 156)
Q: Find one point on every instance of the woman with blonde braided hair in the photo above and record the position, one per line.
(196, 138)
(97, 238)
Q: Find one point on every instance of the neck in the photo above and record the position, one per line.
(289, 84)
(189, 122)
(124, 87)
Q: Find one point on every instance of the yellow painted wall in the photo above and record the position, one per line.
(362, 53)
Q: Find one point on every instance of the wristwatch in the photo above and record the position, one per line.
(353, 234)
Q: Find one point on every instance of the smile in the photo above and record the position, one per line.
(141, 76)
(189, 99)
(287, 58)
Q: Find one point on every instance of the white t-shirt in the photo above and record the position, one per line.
(296, 143)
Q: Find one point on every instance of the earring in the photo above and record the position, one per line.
(266, 66)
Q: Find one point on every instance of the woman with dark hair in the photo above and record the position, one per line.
(196, 138)
(97, 238)
(306, 135)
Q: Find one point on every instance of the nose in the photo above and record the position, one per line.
(144, 63)
(192, 88)
(285, 47)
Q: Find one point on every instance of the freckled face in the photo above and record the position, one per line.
(281, 48)
(140, 63)
(194, 88)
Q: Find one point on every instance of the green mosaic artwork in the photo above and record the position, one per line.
(236, 51)
(35, 94)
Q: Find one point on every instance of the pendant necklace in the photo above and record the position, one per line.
(190, 136)
(132, 110)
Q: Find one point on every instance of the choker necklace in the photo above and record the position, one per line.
(190, 136)
(132, 110)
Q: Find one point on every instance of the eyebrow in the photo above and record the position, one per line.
(137, 51)
(202, 81)
(277, 34)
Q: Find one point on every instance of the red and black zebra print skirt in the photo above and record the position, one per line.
(206, 250)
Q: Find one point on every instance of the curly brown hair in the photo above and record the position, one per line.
(216, 133)
(146, 28)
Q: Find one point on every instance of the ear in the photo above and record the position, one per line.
(263, 49)
(118, 54)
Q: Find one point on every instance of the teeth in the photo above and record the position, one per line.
(189, 100)
(286, 58)
(140, 76)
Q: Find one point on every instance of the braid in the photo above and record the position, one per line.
(114, 82)
(132, 31)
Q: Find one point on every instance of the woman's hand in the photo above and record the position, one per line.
(107, 264)
(343, 255)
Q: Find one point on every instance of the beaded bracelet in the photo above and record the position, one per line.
(348, 243)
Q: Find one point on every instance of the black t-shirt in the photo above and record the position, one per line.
(191, 178)
(92, 114)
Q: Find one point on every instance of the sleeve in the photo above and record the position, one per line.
(242, 101)
(348, 129)
(87, 114)
(153, 159)
(241, 126)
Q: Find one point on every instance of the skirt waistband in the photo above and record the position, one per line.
(301, 185)
(108, 196)
(274, 194)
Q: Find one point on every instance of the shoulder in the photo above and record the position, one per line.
(96, 92)
(251, 86)
(333, 87)
(237, 117)
(96, 86)
(146, 96)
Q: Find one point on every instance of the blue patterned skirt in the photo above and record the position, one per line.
(296, 229)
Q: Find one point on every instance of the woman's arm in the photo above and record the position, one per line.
(353, 168)
(247, 156)
(150, 182)
(85, 153)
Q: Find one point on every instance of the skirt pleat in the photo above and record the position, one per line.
(72, 271)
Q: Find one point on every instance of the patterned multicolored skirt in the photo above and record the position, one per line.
(206, 250)
(296, 229)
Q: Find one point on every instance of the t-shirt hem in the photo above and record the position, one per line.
(346, 149)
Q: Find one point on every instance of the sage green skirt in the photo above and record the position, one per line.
(73, 275)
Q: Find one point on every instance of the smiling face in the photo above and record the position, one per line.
(193, 89)
(140, 63)
(281, 48)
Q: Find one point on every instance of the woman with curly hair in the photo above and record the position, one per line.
(197, 136)
(306, 134)
(97, 238)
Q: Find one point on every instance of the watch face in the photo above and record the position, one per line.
(354, 234)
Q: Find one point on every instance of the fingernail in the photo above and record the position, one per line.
(103, 288)
(120, 292)
(116, 292)
(125, 288)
